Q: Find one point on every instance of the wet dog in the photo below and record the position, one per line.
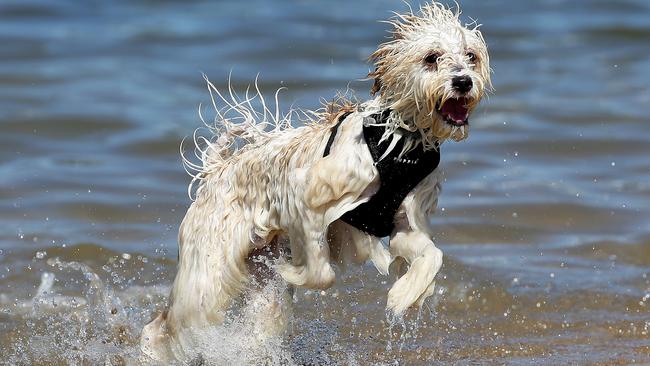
(302, 198)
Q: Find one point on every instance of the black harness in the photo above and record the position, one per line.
(397, 177)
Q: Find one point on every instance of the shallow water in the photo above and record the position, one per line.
(543, 218)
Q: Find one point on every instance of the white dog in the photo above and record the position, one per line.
(328, 190)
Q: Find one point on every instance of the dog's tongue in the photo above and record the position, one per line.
(455, 110)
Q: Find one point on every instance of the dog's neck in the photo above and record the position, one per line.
(405, 123)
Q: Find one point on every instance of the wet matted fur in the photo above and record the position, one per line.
(262, 184)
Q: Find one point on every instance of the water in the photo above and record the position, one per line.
(543, 219)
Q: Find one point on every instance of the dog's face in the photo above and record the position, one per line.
(433, 72)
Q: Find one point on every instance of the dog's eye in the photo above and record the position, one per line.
(471, 56)
(432, 58)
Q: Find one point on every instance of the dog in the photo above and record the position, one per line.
(304, 198)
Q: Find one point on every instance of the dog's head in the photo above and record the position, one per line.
(433, 72)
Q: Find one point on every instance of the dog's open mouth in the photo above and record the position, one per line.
(454, 111)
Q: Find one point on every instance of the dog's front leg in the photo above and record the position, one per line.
(411, 240)
(311, 260)
(418, 282)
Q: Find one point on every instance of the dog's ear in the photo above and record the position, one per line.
(377, 85)
(379, 60)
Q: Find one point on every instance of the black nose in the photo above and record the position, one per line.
(462, 84)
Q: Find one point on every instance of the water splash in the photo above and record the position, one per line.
(99, 322)
(99, 327)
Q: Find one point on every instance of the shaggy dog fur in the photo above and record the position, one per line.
(263, 185)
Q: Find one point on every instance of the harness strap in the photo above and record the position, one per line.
(333, 132)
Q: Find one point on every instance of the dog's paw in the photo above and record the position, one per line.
(316, 278)
(414, 286)
(154, 341)
(400, 299)
(402, 295)
(425, 295)
(292, 274)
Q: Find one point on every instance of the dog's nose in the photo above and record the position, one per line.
(462, 84)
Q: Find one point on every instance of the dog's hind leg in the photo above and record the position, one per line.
(269, 301)
(270, 310)
(154, 341)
